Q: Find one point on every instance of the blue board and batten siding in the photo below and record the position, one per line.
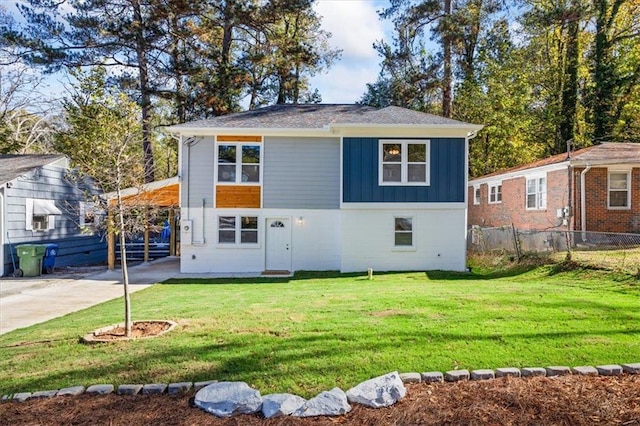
(447, 174)
(50, 183)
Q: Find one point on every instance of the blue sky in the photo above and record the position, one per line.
(355, 26)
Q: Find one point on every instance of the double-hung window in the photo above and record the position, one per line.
(404, 162)
(536, 193)
(403, 235)
(237, 230)
(476, 195)
(619, 190)
(495, 192)
(239, 163)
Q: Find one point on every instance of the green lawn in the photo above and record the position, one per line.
(317, 331)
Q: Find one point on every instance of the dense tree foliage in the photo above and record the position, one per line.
(194, 59)
(540, 75)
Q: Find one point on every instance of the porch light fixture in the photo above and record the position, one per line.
(300, 220)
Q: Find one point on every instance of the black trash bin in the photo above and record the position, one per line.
(49, 260)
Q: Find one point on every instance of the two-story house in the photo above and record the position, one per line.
(323, 187)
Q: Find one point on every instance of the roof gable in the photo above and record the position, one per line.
(13, 165)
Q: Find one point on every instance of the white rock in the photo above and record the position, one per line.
(225, 399)
(378, 392)
(327, 403)
(281, 404)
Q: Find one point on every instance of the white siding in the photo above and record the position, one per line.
(301, 173)
(315, 243)
(368, 241)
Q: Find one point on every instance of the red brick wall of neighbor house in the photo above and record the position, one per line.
(599, 217)
(513, 206)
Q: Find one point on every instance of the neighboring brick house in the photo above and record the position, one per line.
(593, 189)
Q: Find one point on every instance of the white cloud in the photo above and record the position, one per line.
(355, 26)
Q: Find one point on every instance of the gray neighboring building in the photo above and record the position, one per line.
(40, 204)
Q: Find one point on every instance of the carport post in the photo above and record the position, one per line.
(172, 234)
(146, 239)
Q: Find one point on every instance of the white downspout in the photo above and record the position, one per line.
(583, 202)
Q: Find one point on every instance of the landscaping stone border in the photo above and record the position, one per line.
(409, 377)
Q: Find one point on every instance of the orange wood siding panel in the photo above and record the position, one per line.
(226, 138)
(167, 196)
(237, 196)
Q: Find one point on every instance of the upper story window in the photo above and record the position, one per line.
(239, 163)
(495, 192)
(404, 162)
(619, 190)
(536, 193)
(476, 195)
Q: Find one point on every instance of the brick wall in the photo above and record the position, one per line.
(512, 209)
(599, 218)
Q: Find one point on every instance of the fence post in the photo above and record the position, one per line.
(516, 246)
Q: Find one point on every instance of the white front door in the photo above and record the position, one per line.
(278, 244)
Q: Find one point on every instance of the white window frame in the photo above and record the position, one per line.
(89, 207)
(404, 162)
(49, 222)
(238, 230)
(498, 194)
(628, 189)
(539, 193)
(412, 247)
(477, 195)
(238, 164)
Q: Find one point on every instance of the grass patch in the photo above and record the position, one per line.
(319, 330)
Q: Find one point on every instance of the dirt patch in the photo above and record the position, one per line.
(139, 330)
(567, 400)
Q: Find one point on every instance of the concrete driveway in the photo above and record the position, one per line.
(28, 301)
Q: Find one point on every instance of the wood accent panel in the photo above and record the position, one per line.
(237, 196)
(162, 197)
(242, 138)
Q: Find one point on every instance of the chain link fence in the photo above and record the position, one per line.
(614, 251)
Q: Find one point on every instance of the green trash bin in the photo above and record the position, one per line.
(31, 259)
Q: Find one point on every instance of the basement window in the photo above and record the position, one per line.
(238, 230)
(403, 235)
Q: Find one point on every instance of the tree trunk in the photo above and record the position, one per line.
(447, 95)
(145, 93)
(123, 250)
(570, 83)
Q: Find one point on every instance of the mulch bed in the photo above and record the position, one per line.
(568, 400)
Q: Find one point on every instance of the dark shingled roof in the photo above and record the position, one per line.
(318, 116)
(607, 152)
(13, 166)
